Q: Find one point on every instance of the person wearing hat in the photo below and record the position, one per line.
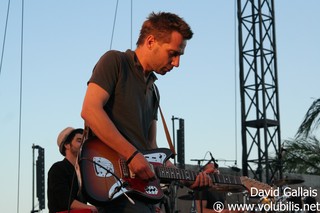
(63, 189)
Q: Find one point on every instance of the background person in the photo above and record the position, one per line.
(206, 199)
(63, 189)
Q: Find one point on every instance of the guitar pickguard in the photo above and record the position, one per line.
(102, 167)
(115, 191)
(156, 157)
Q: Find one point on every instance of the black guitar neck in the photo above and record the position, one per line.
(167, 173)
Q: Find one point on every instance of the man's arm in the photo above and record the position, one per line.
(102, 126)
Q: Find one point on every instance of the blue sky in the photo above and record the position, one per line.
(64, 39)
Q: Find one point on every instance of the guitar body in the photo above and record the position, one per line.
(106, 177)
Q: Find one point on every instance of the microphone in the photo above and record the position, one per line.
(213, 161)
(202, 167)
(36, 147)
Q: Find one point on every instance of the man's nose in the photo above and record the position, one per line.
(176, 61)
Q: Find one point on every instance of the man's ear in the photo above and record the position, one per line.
(67, 146)
(150, 41)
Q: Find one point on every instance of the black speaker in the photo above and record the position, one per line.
(40, 178)
(180, 143)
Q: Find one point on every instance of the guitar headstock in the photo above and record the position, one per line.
(250, 184)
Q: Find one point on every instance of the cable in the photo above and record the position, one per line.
(20, 106)
(4, 35)
(235, 82)
(131, 24)
(114, 23)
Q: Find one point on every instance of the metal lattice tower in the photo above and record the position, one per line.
(260, 117)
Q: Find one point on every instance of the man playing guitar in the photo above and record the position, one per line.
(121, 101)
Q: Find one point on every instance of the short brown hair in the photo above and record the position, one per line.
(161, 25)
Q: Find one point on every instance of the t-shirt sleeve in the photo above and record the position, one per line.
(106, 71)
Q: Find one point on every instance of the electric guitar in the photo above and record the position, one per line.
(105, 175)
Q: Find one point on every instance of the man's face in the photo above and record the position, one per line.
(75, 144)
(167, 55)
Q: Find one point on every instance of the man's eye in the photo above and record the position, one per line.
(173, 54)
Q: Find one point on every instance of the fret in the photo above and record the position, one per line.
(194, 175)
(226, 179)
(221, 179)
(178, 175)
(161, 172)
(189, 175)
(164, 171)
(183, 177)
(172, 173)
(237, 180)
(232, 179)
(167, 173)
(213, 177)
(217, 178)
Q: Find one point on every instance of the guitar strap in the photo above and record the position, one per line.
(164, 122)
(77, 166)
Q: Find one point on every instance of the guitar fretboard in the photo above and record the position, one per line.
(226, 179)
(175, 174)
(182, 174)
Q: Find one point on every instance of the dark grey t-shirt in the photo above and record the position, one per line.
(133, 104)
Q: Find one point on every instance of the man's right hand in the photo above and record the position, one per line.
(141, 168)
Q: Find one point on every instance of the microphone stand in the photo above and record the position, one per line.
(199, 161)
